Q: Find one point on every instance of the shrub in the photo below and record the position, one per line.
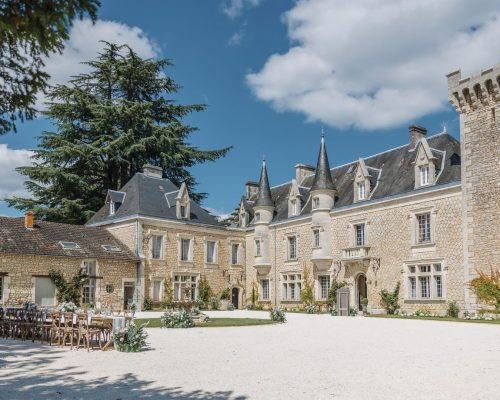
(310, 308)
(307, 293)
(166, 304)
(364, 301)
(453, 309)
(130, 339)
(68, 291)
(225, 294)
(487, 288)
(204, 290)
(183, 305)
(177, 319)
(250, 307)
(422, 312)
(352, 312)
(255, 293)
(333, 311)
(278, 314)
(230, 307)
(389, 300)
(214, 303)
(148, 304)
(332, 292)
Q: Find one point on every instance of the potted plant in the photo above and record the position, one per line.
(225, 298)
(364, 303)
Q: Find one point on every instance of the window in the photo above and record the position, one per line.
(424, 227)
(324, 286)
(185, 287)
(45, 292)
(295, 207)
(110, 247)
(316, 238)
(183, 211)
(292, 286)
(424, 175)
(211, 245)
(315, 202)
(361, 191)
(88, 290)
(257, 217)
(112, 208)
(257, 248)
(69, 245)
(264, 289)
(360, 234)
(425, 281)
(185, 249)
(156, 250)
(243, 222)
(157, 297)
(292, 247)
(235, 253)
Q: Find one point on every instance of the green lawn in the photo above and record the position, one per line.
(213, 322)
(478, 321)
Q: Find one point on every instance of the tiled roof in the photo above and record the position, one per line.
(44, 239)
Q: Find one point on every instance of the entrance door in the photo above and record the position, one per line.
(235, 296)
(362, 290)
(128, 293)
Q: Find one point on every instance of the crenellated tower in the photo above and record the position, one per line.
(477, 99)
(263, 215)
(322, 201)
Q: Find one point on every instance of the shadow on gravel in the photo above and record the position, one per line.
(21, 378)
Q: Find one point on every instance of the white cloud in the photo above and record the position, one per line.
(238, 36)
(234, 8)
(376, 63)
(84, 45)
(11, 182)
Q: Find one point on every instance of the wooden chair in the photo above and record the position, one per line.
(87, 333)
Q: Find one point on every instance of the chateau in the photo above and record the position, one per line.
(425, 215)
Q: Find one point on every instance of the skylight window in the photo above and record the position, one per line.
(110, 247)
(69, 245)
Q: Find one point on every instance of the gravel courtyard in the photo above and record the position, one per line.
(309, 357)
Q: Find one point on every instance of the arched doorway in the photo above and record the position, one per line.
(361, 289)
(235, 297)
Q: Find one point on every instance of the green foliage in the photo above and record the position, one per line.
(130, 339)
(487, 288)
(30, 31)
(109, 122)
(352, 312)
(225, 294)
(332, 292)
(307, 293)
(177, 319)
(68, 292)
(278, 314)
(453, 309)
(230, 307)
(310, 308)
(364, 301)
(389, 300)
(204, 290)
(214, 303)
(254, 296)
(148, 304)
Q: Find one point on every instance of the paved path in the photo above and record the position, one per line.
(309, 357)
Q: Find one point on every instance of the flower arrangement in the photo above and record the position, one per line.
(310, 308)
(130, 339)
(177, 319)
(67, 307)
(278, 314)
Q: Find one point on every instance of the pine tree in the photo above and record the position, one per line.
(31, 30)
(110, 122)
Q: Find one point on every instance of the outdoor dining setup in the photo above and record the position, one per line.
(65, 326)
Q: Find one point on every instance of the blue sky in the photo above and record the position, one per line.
(274, 72)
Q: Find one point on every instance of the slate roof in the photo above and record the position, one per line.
(264, 194)
(149, 196)
(44, 240)
(392, 174)
(322, 179)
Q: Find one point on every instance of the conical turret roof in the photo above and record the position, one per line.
(322, 177)
(264, 197)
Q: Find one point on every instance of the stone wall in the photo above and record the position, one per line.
(19, 283)
(390, 238)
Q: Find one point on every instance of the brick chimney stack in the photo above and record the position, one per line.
(29, 220)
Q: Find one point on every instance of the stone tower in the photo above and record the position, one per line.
(477, 99)
(322, 198)
(263, 215)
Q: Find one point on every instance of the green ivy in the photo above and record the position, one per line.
(68, 291)
(389, 300)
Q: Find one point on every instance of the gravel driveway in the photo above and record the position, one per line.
(309, 357)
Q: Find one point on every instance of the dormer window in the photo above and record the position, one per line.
(183, 208)
(316, 202)
(424, 175)
(183, 211)
(112, 209)
(361, 191)
(69, 245)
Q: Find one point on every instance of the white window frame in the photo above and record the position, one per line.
(215, 256)
(316, 237)
(181, 281)
(360, 236)
(161, 290)
(265, 292)
(258, 248)
(236, 258)
(291, 286)
(154, 236)
(291, 251)
(323, 290)
(112, 208)
(424, 175)
(90, 285)
(361, 190)
(182, 240)
(434, 276)
(425, 236)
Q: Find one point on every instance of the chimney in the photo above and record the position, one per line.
(301, 171)
(416, 133)
(152, 170)
(251, 188)
(29, 220)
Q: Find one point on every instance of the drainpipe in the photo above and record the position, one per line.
(275, 272)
